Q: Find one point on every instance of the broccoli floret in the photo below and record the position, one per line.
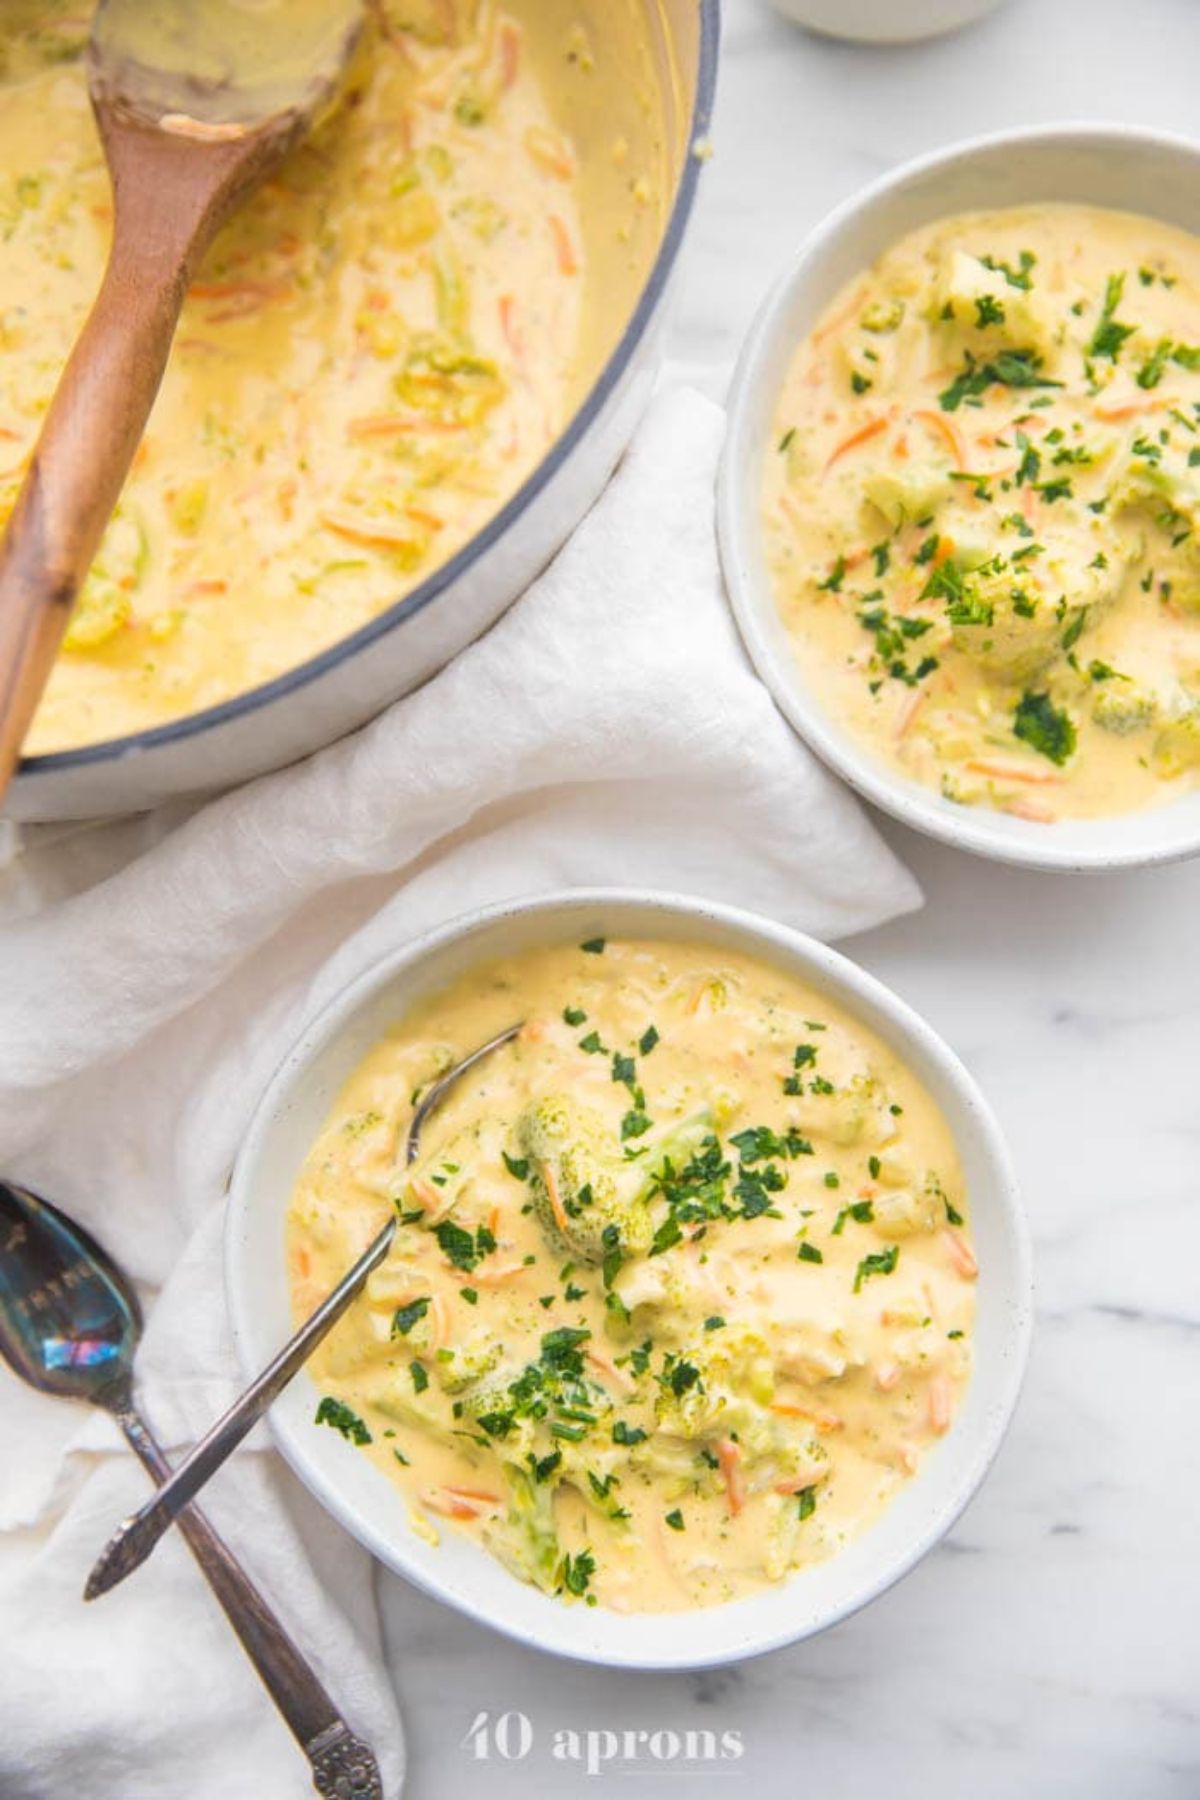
(734, 1381)
(856, 1113)
(1177, 747)
(1123, 707)
(526, 1540)
(473, 1360)
(583, 1194)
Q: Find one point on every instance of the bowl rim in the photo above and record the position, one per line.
(981, 830)
(447, 574)
(805, 956)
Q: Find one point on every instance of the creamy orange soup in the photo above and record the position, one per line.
(683, 1289)
(981, 504)
(378, 350)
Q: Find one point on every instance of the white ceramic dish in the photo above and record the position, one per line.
(362, 1499)
(1093, 165)
(884, 21)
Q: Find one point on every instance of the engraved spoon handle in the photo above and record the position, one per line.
(343, 1767)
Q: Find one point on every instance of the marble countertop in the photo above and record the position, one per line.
(1051, 1646)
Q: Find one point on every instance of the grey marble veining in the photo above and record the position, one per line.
(1051, 1647)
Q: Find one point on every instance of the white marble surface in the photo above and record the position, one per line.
(1051, 1647)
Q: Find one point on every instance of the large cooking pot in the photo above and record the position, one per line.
(332, 693)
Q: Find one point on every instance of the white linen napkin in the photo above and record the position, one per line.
(152, 974)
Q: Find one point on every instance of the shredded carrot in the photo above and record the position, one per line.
(379, 536)
(427, 520)
(303, 1262)
(454, 1505)
(939, 1403)
(961, 1254)
(1002, 770)
(824, 1421)
(847, 313)
(608, 1367)
(886, 1376)
(863, 435)
(374, 425)
(510, 53)
(553, 1195)
(729, 1457)
(549, 152)
(1034, 810)
(795, 1484)
(568, 262)
(508, 324)
(1130, 409)
(489, 1278)
(949, 433)
(209, 586)
(258, 291)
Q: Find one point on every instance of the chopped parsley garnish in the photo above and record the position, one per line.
(344, 1419)
(714, 1322)
(674, 1519)
(809, 1252)
(648, 1040)
(1109, 336)
(833, 581)
(758, 1142)
(517, 1166)
(420, 1376)
(627, 1434)
(405, 1317)
(806, 1502)
(593, 946)
(880, 1262)
(1020, 277)
(574, 1015)
(679, 1376)
(575, 1572)
(459, 1247)
(592, 1044)
(1011, 368)
(1046, 729)
(862, 1212)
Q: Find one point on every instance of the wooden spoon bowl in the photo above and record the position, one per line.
(196, 101)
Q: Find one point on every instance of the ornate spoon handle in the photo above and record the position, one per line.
(343, 1767)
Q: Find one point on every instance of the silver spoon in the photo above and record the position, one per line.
(136, 1536)
(69, 1325)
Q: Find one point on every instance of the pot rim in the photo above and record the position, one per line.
(57, 762)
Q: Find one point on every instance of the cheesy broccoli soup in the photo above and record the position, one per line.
(377, 351)
(682, 1290)
(981, 507)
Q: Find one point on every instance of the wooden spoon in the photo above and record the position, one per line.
(196, 101)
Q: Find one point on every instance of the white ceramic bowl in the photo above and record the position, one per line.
(366, 1502)
(1094, 165)
(884, 21)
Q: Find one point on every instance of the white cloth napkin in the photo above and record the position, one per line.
(608, 730)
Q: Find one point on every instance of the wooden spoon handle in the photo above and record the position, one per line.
(168, 200)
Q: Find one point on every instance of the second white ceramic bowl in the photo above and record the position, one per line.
(358, 1495)
(1090, 165)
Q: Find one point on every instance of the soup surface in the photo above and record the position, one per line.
(682, 1288)
(380, 347)
(981, 509)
